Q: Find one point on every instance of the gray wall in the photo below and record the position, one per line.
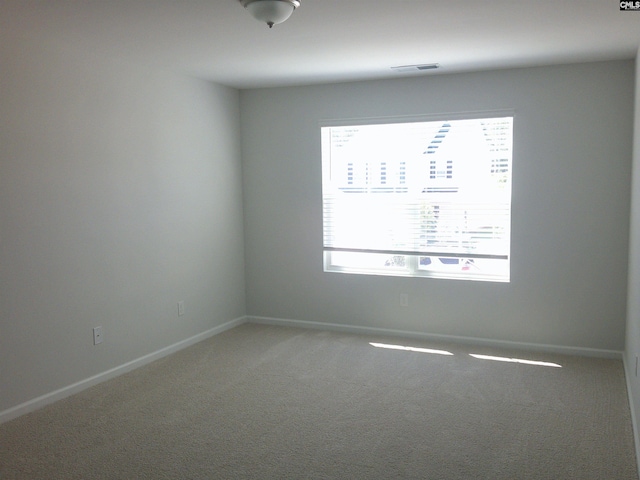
(571, 187)
(632, 349)
(120, 194)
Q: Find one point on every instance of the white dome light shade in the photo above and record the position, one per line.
(271, 12)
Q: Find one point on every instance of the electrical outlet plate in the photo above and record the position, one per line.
(97, 335)
(404, 299)
(181, 308)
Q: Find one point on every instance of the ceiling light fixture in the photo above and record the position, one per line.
(271, 12)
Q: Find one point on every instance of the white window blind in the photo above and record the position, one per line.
(422, 188)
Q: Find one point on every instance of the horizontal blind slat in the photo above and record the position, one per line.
(377, 198)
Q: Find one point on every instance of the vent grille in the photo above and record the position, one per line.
(416, 68)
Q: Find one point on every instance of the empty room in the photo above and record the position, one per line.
(319, 239)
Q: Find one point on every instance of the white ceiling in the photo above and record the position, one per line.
(328, 40)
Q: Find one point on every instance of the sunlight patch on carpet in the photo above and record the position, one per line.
(410, 349)
(515, 360)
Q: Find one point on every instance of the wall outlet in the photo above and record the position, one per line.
(97, 335)
(181, 308)
(404, 299)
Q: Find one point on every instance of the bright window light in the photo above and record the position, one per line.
(410, 349)
(419, 198)
(515, 360)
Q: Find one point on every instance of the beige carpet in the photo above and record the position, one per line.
(266, 402)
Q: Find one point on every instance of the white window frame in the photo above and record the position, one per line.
(443, 263)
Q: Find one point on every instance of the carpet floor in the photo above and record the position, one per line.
(267, 402)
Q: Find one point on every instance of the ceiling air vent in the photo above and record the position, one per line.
(416, 68)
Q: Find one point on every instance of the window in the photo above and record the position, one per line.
(425, 198)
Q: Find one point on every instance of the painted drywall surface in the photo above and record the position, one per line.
(632, 347)
(120, 195)
(571, 187)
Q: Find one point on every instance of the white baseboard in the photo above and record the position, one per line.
(634, 423)
(533, 347)
(69, 390)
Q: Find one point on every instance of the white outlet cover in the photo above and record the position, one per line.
(97, 335)
(404, 299)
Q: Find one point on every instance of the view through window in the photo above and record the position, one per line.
(419, 198)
